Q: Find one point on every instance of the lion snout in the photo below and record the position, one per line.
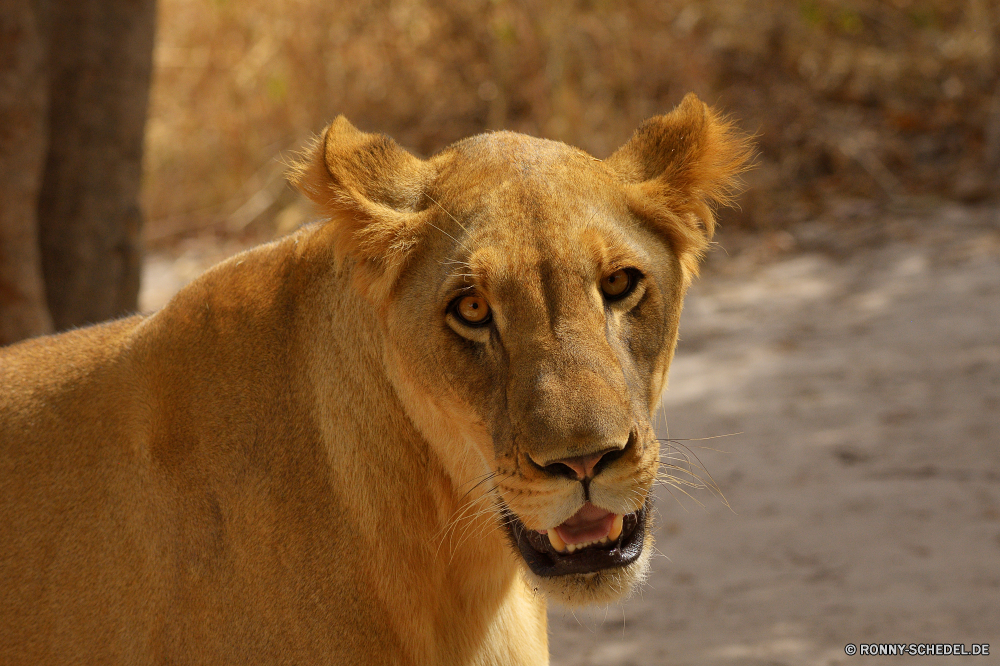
(583, 467)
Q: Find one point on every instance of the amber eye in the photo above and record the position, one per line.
(617, 285)
(473, 310)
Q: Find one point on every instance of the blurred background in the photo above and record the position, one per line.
(845, 345)
(857, 105)
(871, 99)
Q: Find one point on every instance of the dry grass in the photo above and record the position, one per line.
(884, 99)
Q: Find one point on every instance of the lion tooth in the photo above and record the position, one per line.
(561, 546)
(616, 527)
(557, 542)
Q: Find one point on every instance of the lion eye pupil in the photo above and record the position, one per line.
(473, 310)
(616, 284)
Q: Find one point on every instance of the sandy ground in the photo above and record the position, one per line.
(861, 365)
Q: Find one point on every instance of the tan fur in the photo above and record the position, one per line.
(298, 460)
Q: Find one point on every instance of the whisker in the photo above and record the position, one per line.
(470, 520)
(671, 487)
(448, 214)
(711, 483)
(460, 243)
(489, 476)
(698, 439)
(468, 514)
(477, 476)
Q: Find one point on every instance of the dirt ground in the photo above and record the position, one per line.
(860, 364)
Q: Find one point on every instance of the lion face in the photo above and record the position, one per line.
(548, 315)
(530, 297)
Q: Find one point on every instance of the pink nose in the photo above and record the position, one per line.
(586, 466)
(583, 466)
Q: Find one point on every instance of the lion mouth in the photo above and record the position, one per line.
(592, 540)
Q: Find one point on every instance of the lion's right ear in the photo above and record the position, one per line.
(371, 191)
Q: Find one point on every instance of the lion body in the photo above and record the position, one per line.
(172, 498)
(300, 458)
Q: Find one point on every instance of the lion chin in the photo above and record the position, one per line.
(601, 587)
(387, 438)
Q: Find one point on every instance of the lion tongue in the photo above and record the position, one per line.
(588, 525)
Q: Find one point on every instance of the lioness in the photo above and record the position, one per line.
(385, 439)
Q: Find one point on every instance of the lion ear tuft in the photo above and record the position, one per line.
(371, 191)
(678, 167)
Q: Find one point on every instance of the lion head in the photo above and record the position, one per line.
(529, 297)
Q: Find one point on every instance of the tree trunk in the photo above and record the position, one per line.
(23, 140)
(100, 55)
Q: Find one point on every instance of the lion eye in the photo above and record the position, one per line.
(473, 310)
(617, 285)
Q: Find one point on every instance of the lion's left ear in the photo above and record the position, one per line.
(677, 167)
(372, 193)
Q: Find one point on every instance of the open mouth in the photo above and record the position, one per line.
(592, 540)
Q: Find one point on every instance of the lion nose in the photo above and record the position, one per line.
(583, 467)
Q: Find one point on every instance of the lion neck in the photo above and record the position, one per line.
(448, 573)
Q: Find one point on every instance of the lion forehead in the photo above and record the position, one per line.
(506, 169)
(522, 152)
